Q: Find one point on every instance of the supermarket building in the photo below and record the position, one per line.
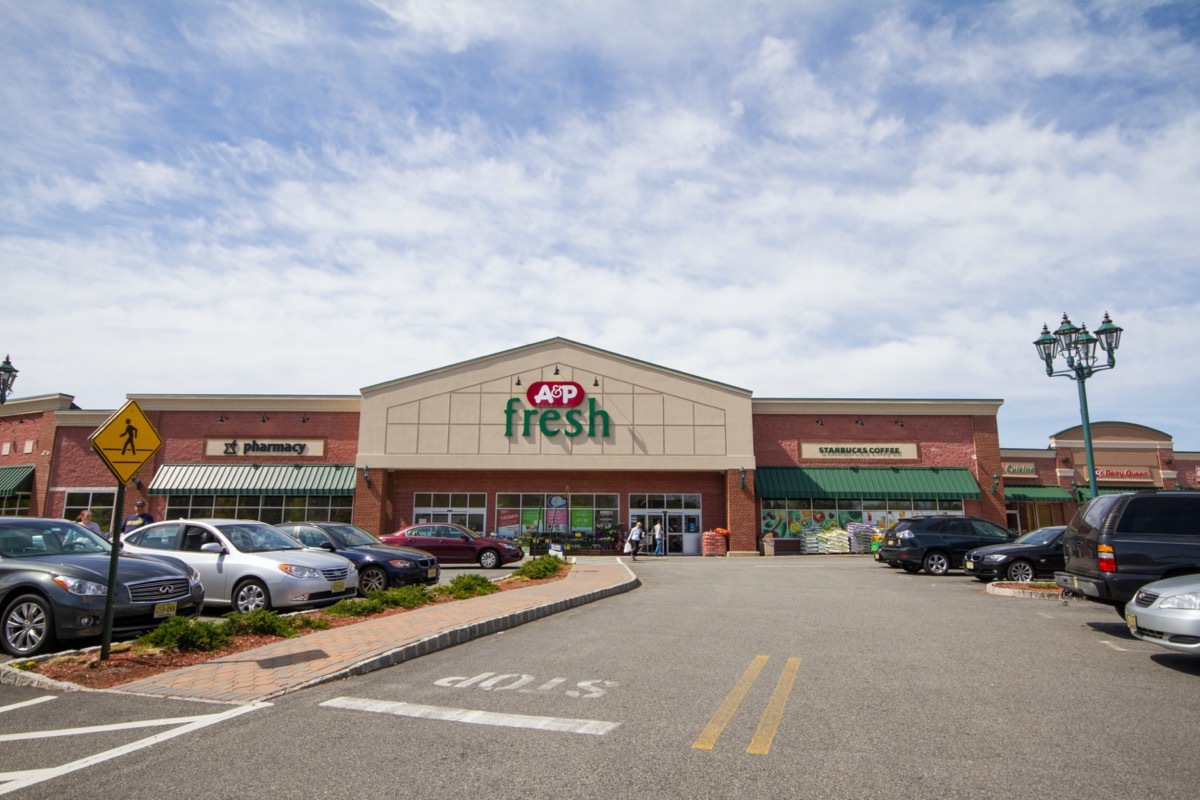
(562, 442)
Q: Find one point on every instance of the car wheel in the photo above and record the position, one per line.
(489, 559)
(251, 595)
(1020, 571)
(910, 568)
(28, 625)
(937, 564)
(371, 579)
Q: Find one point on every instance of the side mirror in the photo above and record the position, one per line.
(464, 537)
(328, 546)
(212, 547)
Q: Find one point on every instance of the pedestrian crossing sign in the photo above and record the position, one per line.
(126, 441)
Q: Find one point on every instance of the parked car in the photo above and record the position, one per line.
(1036, 554)
(1117, 543)
(1167, 613)
(54, 585)
(380, 565)
(454, 544)
(249, 565)
(938, 544)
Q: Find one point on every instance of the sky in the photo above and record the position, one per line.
(803, 198)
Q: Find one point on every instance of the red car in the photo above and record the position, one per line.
(454, 544)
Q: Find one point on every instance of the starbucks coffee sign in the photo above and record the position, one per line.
(872, 451)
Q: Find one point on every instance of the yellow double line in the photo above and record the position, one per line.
(768, 724)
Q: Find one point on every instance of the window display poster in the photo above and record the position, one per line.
(508, 522)
(556, 520)
(531, 520)
(581, 519)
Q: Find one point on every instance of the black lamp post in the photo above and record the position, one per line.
(8, 376)
(1078, 347)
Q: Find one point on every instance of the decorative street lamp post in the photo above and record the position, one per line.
(8, 376)
(1078, 347)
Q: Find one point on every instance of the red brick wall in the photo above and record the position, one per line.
(743, 512)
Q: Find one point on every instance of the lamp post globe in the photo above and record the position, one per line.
(1078, 348)
(8, 376)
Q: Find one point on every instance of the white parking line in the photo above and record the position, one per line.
(557, 724)
(116, 726)
(33, 702)
(25, 778)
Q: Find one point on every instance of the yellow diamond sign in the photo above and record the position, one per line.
(126, 441)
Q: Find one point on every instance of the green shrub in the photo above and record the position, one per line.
(260, 622)
(540, 567)
(355, 608)
(185, 633)
(404, 597)
(470, 585)
(310, 622)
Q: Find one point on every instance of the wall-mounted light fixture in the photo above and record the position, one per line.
(556, 369)
(820, 421)
(366, 472)
(222, 418)
(899, 423)
(1168, 460)
(1065, 459)
(137, 482)
(8, 376)
(264, 418)
(742, 470)
(596, 382)
(303, 418)
(995, 482)
(859, 421)
(518, 380)
(1178, 485)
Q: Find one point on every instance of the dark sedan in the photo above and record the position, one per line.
(380, 565)
(54, 583)
(454, 544)
(1037, 553)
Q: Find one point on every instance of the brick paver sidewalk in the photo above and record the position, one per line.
(357, 649)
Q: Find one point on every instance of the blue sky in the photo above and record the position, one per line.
(812, 198)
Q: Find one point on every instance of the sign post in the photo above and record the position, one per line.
(124, 443)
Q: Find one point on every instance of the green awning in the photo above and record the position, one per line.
(243, 479)
(865, 483)
(1037, 494)
(15, 479)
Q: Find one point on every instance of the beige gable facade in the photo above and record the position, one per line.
(632, 415)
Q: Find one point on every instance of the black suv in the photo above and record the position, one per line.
(938, 544)
(1117, 543)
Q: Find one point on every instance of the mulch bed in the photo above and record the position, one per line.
(126, 664)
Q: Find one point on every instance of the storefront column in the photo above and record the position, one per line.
(741, 512)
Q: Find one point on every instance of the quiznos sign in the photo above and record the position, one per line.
(556, 408)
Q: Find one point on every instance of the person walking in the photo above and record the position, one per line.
(85, 519)
(658, 537)
(137, 519)
(635, 540)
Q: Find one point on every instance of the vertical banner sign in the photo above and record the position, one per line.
(124, 443)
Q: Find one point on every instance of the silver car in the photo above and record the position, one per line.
(248, 565)
(1167, 613)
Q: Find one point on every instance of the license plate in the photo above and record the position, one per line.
(432, 572)
(891, 542)
(164, 610)
(338, 586)
(1131, 621)
(970, 565)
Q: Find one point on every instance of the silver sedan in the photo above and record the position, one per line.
(1167, 613)
(247, 564)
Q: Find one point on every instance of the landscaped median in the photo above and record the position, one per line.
(1037, 590)
(182, 642)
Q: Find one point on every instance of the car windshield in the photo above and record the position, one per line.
(26, 539)
(1040, 536)
(258, 538)
(349, 536)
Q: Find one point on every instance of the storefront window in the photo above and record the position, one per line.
(577, 521)
(100, 503)
(16, 505)
(271, 509)
(468, 509)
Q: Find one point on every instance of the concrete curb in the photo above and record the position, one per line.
(1035, 594)
(461, 635)
(9, 676)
